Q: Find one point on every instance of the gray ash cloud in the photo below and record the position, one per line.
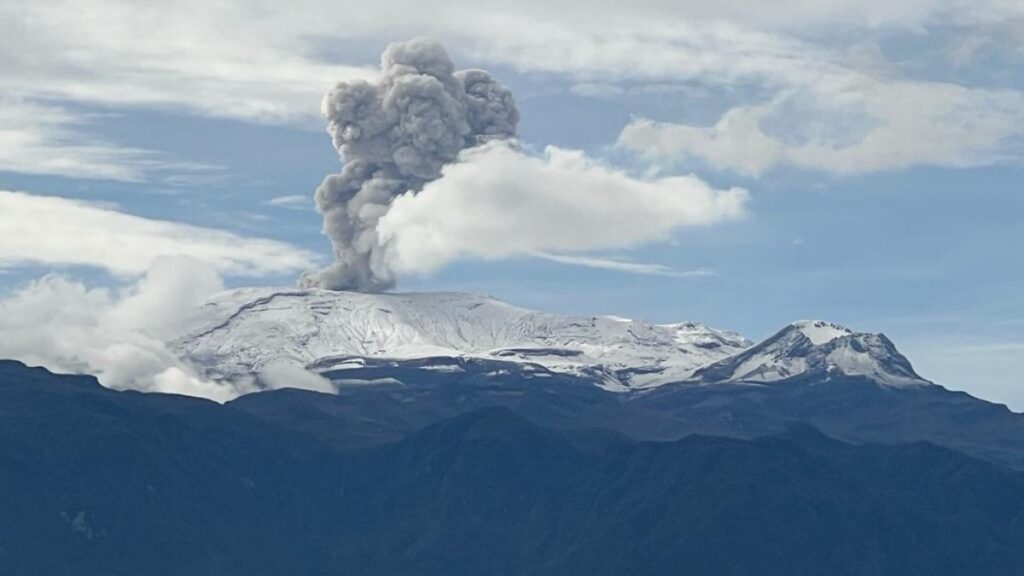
(395, 135)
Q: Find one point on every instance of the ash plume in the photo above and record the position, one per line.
(395, 135)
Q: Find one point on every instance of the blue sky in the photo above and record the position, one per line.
(880, 146)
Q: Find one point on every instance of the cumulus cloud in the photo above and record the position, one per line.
(498, 202)
(59, 231)
(117, 335)
(873, 127)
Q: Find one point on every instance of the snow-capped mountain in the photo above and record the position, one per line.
(350, 335)
(244, 331)
(813, 348)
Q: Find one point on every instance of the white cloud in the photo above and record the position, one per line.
(48, 139)
(58, 231)
(267, 61)
(121, 335)
(229, 59)
(224, 59)
(271, 62)
(118, 336)
(872, 126)
(736, 141)
(292, 201)
(628, 266)
(497, 202)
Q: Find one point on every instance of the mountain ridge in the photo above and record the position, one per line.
(815, 348)
(98, 481)
(243, 331)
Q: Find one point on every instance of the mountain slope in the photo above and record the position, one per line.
(815, 349)
(244, 331)
(853, 409)
(399, 362)
(94, 481)
(349, 336)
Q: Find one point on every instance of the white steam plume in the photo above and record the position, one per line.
(120, 336)
(497, 202)
(117, 336)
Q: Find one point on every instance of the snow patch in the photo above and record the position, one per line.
(820, 332)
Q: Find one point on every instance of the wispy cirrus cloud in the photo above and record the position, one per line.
(291, 201)
(627, 266)
(45, 138)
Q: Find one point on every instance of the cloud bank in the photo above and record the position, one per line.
(58, 231)
(498, 202)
